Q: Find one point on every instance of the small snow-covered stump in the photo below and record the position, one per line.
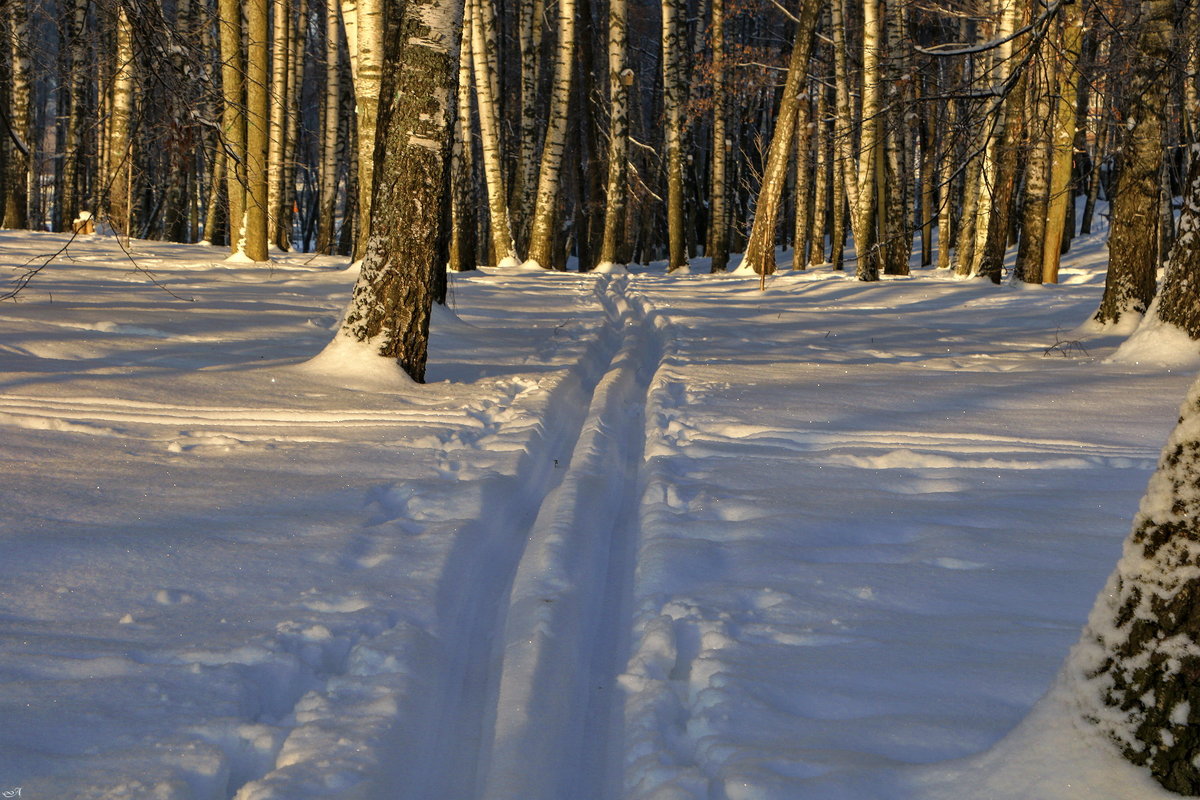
(83, 224)
(1138, 661)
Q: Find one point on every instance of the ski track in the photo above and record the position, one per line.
(532, 683)
(529, 647)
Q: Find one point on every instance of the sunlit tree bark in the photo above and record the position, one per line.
(392, 299)
(545, 213)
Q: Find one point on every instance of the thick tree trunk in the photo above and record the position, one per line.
(1179, 300)
(1134, 668)
(395, 290)
(1132, 264)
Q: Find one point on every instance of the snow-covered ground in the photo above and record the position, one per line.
(644, 537)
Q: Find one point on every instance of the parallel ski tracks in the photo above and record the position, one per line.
(541, 634)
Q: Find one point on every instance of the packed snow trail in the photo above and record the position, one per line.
(542, 630)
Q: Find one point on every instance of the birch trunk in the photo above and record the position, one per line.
(367, 63)
(483, 54)
(820, 180)
(1063, 138)
(618, 131)
(69, 199)
(804, 175)
(674, 42)
(995, 186)
(760, 250)
(1037, 178)
(119, 148)
(233, 119)
(542, 230)
(17, 181)
(394, 293)
(524, 193)
(257, 121)
(463, 254)
(718, 226)
(331, 114)
(281, 73)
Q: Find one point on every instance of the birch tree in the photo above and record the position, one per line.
(366, 62)
(278, 174)
(233, 118)
(674, 43)
(390, 307)
(17, 181)
(257, 116)
(1062, 137)
(718, 228)
(619, 80)
(119, 150)
(542, 229)
(481, 22)
(760, 251)
(330, 117)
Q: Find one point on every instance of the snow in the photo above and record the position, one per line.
(641, 536)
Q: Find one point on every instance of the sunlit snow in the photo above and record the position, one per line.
(641, 536)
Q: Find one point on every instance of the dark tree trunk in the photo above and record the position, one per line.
(1132, 263)
(398, 283)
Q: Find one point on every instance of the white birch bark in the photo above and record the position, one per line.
(281, 73)
(119, 150)
(673, 45)
(718, 226)
(482, 52)
(18, 180)
(618, 130)
(541, 236)
(994, 133)
(329, 131)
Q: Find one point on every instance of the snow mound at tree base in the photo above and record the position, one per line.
(1054, 754)
(356, 365)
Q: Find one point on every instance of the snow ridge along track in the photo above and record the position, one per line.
(564, 631)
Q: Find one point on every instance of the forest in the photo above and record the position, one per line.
(590, 133)
(422, 140)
